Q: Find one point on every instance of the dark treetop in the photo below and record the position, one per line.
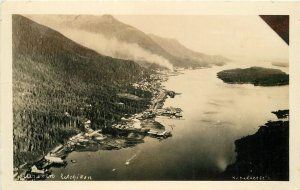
(258, 76)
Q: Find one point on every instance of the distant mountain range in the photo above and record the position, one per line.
(108, 27)
(190, 57)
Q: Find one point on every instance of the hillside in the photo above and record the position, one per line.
(262, 156)
(57, 84)
(111, 28)
(258, 76)
(173, 47)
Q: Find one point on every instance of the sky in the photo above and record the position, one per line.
(246, 36)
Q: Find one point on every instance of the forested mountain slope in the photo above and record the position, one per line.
(58, 83)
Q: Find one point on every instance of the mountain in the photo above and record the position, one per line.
(57, 84)
(176, 49)
(111, 28)
(105, 25)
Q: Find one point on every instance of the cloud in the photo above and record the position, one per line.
(113, 47)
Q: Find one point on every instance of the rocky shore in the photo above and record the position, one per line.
(263, 155)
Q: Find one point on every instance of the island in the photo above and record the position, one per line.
(258, 76)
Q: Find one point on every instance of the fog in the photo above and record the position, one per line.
(235, 37)
(113, 47)
(105, 46)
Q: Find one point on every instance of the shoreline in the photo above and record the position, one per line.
(264, 155)
(129, 131)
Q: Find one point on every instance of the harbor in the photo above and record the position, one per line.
(128, 132)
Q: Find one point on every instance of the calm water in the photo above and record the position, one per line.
(215, 115)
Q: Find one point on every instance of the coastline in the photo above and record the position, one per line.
(129, 131)
(264, 155)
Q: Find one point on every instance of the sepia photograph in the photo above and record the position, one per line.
(149, 95)
(133, 97)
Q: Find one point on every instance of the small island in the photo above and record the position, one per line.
(258, 76)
